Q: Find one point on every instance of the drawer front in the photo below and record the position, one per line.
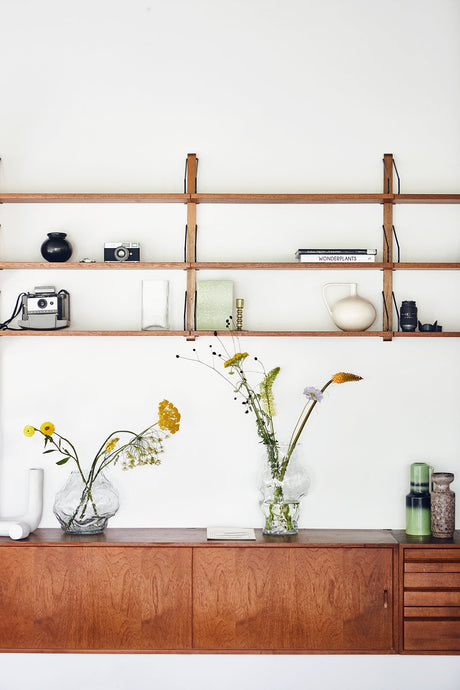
(432, 567)
(432, 598)
(432, 612)
(432, 580)
(446, 554)
(432, 635)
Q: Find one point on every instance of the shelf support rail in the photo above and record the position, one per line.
(388, 252)
(388, 231)
(190, 248)
(389, 176)
(194, 174)
(397, 310)
(386, 326)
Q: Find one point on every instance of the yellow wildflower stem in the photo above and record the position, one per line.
(116, 451)
(75, 454)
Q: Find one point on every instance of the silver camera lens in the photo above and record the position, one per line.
(42, 303)
(121, 253)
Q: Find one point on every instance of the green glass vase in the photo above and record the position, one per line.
(418, 501)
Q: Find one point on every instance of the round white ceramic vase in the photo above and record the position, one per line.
(352, 313)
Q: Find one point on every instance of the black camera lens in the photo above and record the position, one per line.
(408, 318)
(42, 303)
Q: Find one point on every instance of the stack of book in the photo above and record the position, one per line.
(336, 255)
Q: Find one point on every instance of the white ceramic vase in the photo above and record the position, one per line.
(352, 313)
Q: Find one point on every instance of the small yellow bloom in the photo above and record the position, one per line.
(342, 377)
(110, 445)
(168, 417)
(236, 359)
(47, 428)
(29, 430)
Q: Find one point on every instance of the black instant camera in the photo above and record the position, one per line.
(45, 309)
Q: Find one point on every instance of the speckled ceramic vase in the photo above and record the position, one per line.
(442, 506)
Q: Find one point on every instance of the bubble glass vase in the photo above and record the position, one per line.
(282, 492)
(85, 508)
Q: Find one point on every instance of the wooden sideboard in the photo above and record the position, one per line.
(159, 590)
(156, 590)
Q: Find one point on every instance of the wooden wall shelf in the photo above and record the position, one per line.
(67, 332)
(84, 198)
(192, 199)
(192, 334)
(94, 266)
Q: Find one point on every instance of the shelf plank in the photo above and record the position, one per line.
(68, 332)
(428, 334)
(294, 334)
(98, 265)
(426, 266)
(223, 198)
(426, 199)
(288, 265)
(85, 198)
(291, 198)
(210, 265)
(386, 335)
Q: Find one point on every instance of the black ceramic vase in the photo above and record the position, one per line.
(56, 247)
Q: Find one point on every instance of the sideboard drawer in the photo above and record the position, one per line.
(451, 554)
(431, 599)
(438, 580)
(432, 635)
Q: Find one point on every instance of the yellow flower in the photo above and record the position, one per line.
(168, 417)
(47, 428)
(110, 445)
(342, 377)
(236, 359)
(29, 430)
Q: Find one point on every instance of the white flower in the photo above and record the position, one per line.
(313, 393)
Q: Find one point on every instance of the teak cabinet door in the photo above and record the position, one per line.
(293, 598)
(108, 598)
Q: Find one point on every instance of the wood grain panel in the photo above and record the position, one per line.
(60, 598)
(316, 598)
(436, 636)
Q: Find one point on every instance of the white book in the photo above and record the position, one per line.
(337, 258)
(231, 533)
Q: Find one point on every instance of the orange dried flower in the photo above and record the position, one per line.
(342, 377)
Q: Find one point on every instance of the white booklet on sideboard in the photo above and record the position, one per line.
(231, 533)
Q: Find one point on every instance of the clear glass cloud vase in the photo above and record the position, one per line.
(85, 508)
(282, 492)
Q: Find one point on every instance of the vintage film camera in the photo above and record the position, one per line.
(45, 309)
(122, 251)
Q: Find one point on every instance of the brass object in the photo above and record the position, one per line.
(239, 314)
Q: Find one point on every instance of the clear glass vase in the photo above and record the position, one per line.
(282, 491)
(85, 509)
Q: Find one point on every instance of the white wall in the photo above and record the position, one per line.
(272, 96)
